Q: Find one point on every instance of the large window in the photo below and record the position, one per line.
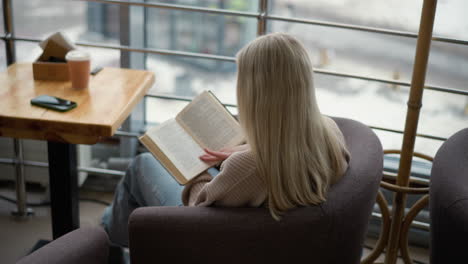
(358, 48)
(81, 21)
(334, 49)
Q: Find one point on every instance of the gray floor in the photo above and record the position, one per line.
(18, 237)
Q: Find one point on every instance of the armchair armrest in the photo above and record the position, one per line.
(85, 245)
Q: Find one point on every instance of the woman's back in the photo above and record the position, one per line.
(298, 152)
(239, 184)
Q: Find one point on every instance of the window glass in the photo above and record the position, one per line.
(198, 32)
(2, 57)
(389, 140)
(30, 51)
(450, 20)
(354, 52)
(2, 29)
(374, 104)
(159, 110)
(79, 20)
(182, 76)
(443, 114)
(27, 51)
(234, 5)
(427, 146)
(403, 15)
(448, 65)
(392, 14)
(383, 56)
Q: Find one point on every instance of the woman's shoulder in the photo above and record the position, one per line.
(243, 159)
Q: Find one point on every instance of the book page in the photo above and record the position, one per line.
(179, 147)
(210, 123)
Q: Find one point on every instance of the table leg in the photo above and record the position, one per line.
(63, 180)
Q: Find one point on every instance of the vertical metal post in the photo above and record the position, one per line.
(132, 33)
(221, 26)
(145, 44)
(411, 125)
(20, 182)
(262, 23)
(21, 210)
(8, 25)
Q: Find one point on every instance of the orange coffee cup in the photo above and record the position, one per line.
(79, 64)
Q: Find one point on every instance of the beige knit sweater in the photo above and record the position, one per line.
(238, 184)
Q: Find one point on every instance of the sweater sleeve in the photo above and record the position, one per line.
(193, 188)
(237, 184)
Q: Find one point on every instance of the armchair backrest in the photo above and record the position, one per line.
(448, 201)
(332, 232)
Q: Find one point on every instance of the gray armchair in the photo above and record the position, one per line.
(448, 201)
(332, 232)
(84, 245)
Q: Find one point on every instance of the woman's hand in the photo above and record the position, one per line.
(222, 154)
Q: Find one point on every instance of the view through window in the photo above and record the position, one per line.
(220, 36)
(334, 49)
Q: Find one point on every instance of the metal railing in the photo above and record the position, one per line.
(262, 17)
(233, 59)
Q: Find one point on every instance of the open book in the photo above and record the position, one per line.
(178, 143)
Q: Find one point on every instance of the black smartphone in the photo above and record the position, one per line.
(54, 103)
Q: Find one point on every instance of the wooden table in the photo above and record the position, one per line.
(101, 109)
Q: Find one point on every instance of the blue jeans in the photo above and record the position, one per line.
(146, 183)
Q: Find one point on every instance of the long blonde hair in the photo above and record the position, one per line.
(295, 151)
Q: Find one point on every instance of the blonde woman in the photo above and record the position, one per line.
(292, 156)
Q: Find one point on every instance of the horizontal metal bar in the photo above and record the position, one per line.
(36, 164)
(189, 99)
(7, 161)
(342, 26)
(280, 18)
(360, 77)
(126, 134)
(318, 71)
(233, 59)
(100, 171)
(81, 169)
(362, 28)
(401, 132)
(450, 40)
(416, 224)
(179, 7)
(389, 81)
(179, 98)
(142, 50)
(446, 90)
(420, 225)
(24, 162)
(159, 51)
